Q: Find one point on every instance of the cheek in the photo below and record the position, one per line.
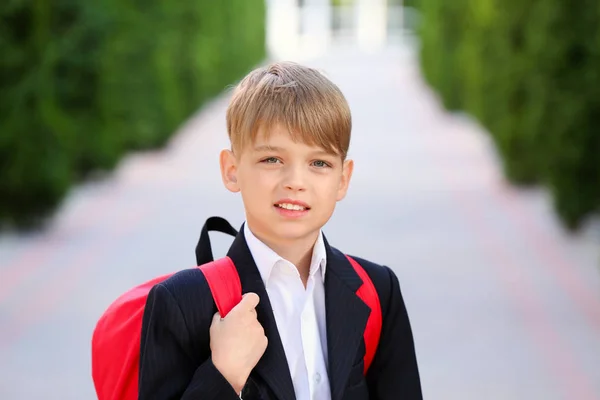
(257, 183)
(328, 192)
(262, 181)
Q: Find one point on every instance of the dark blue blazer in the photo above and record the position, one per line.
(175, 358)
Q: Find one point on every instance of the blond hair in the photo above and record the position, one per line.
(301, 99)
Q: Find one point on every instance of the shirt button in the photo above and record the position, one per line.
(318, 377)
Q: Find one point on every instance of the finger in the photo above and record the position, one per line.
(249, 301)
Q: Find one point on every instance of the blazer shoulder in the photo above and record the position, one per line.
(376, 271)
(190, 291)
(187, 283)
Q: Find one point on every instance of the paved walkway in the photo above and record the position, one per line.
(503, 303)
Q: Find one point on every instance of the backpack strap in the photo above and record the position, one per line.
(368, 294)
(221, 275)
(203, 248)
(224, 282)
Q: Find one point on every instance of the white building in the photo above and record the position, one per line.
(309, 27)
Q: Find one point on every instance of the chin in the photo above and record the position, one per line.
(275, 227)
(290, 230)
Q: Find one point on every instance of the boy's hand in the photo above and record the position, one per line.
(238, 341)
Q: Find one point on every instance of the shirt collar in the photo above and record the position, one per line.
(265, 258)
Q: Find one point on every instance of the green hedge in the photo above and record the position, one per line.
(82, 82)
(530, 73)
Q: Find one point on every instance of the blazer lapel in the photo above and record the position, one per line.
(346, 316)
(272, 367)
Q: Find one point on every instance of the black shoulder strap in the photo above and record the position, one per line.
(203, 248)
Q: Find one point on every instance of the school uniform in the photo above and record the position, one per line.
(315, 349)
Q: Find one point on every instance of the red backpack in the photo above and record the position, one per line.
(116, 338)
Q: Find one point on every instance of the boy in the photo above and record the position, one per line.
(297, 333)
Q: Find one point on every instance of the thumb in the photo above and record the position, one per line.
(248, 303)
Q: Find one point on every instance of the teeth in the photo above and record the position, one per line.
(288, 206)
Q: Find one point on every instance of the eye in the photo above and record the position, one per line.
(270, 160)
(321, 164)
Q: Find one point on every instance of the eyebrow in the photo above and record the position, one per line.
(267, 148)
(324, 153)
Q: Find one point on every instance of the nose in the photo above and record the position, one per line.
(295, 179)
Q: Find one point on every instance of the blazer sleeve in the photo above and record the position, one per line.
(394, 373)
(168, 369)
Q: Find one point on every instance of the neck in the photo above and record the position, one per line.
(298, 251)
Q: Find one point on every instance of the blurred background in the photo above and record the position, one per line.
(477, 150)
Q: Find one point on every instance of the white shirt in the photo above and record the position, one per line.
(299, 314)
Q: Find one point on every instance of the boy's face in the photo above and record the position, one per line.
(289, 189)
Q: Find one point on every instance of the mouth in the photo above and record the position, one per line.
(291, 208)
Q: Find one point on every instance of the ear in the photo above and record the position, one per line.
(347, 170)
(228, 164)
